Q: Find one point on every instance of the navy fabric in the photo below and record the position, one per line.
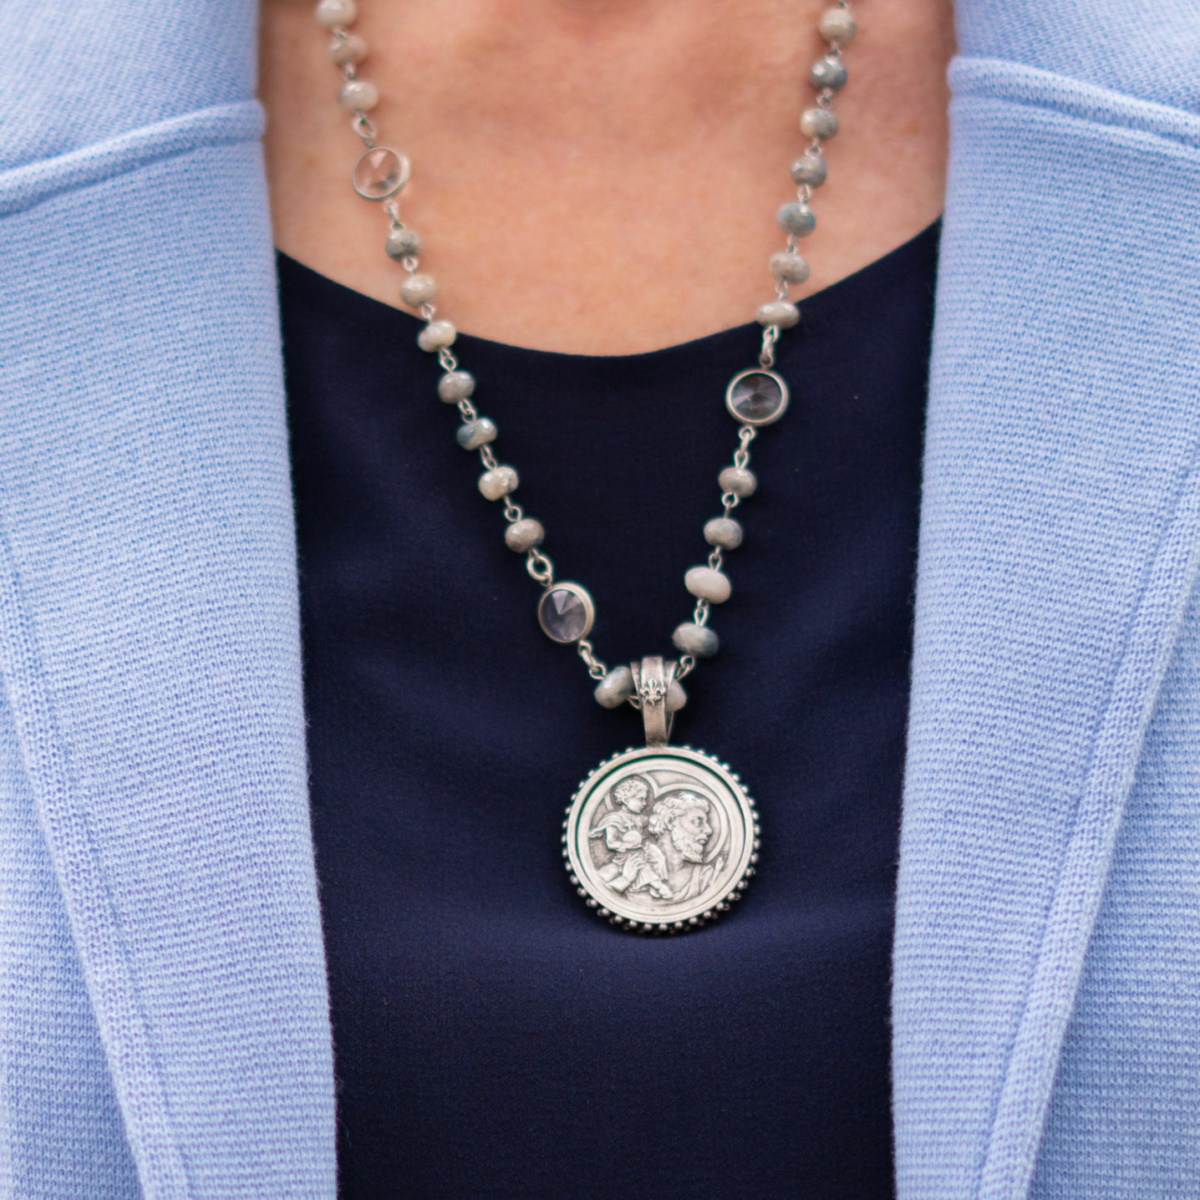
(492, 1037)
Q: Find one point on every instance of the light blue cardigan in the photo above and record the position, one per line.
(163, 1025)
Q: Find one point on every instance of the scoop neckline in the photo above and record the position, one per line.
(359, 306)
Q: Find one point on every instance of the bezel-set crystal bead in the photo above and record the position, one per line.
(566, 612)
(757, 397)
(380, 172)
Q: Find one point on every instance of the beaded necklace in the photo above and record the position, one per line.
(660, 838)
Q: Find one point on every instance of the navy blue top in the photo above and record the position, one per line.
(493, 1037)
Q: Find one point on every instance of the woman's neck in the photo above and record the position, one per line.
(601, 177)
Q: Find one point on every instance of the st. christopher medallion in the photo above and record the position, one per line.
(660, 839)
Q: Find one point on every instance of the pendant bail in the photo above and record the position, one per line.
(653, 678)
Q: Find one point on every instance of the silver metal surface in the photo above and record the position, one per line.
(661, 839)
(653, 678)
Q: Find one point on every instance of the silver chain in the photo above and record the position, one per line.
(346, 50)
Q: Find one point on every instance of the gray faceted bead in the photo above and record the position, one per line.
(741, 481)
(473, 434)
(829, 73)
(837, 25)
(796, 218)
(347, 51)
(707, 583)
(724, 532)
(778, 312)
(497, 482)
(809, 169)
(435, 335)
(332, 13)
(404, 243)
(524, 534)
(455, 386)
(615, 688)
(792, 268)
(698, 640)
(676, 697)
(418, 289)
(819, 123)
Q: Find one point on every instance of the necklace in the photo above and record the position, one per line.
(660, 838)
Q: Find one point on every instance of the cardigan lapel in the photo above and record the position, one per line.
(1059, 539)
(148, 620)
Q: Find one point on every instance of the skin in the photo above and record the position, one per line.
(601, 176)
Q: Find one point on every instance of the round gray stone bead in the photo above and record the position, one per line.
(810, 170)
(473, 434)
(497, 482)
(435, 335)
(778, 312)
(455, 386)
(347, 51)
(615, 688)
(676, 697)
(332, 13)
(829, 73)
(724, 532)
(404, 243)
(837, 25)
(358, 93)
(524, 534)
(418, 289)
(690, 638)
(796, 218)
(791, 268)
(707, 583)
(819, 123)
(741, 481)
